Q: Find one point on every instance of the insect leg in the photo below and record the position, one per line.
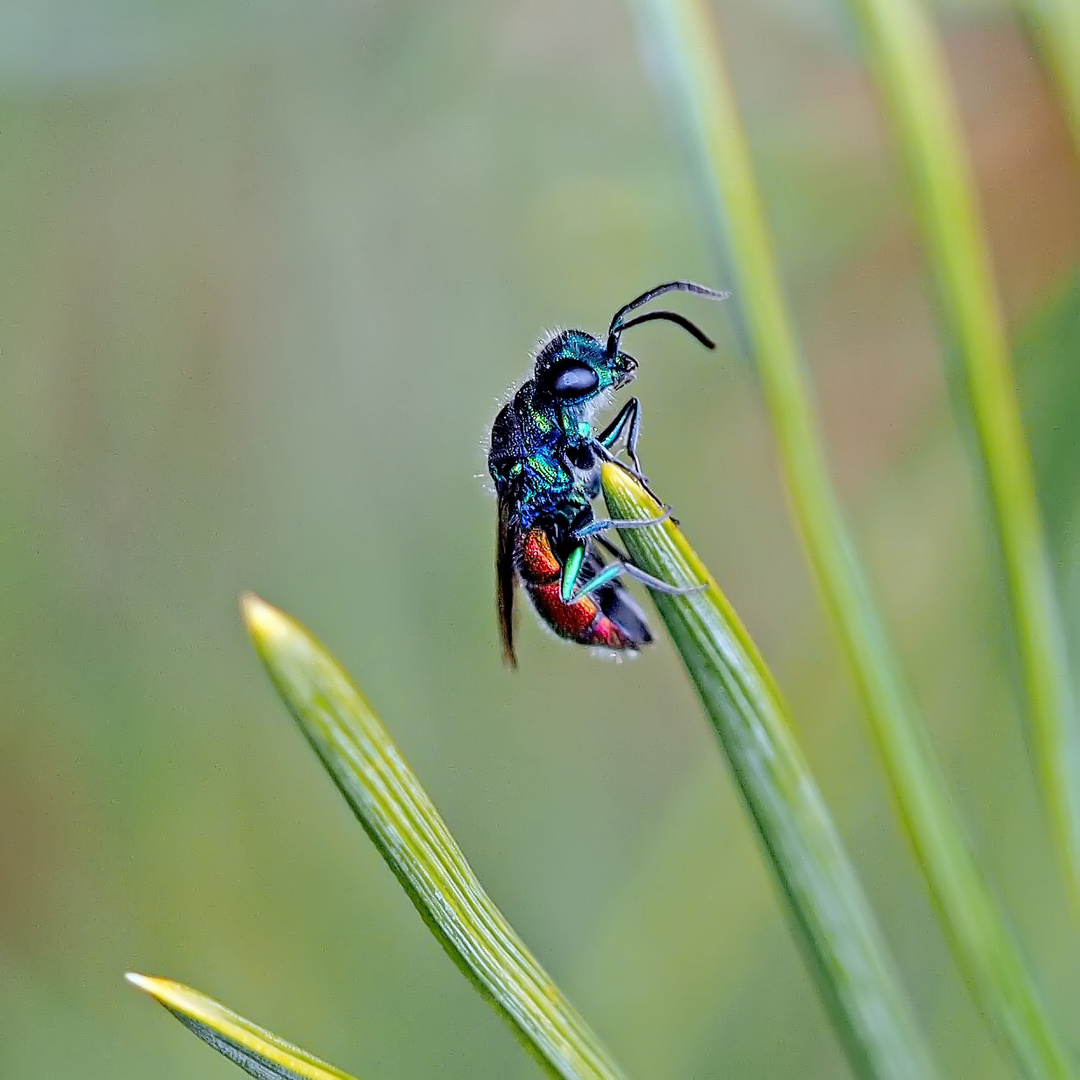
(627, 414)
(611, 571)
(624, 566)
(605, 524)
(646, 579)
(661, 586)
(627, 421)
(571, 571)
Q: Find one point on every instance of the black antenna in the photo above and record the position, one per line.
(652, 294)
(670, 316)
(617, 326)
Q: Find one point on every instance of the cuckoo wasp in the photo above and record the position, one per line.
(545, 461)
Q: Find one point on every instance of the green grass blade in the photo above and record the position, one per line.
(854, 972)
(1056, 27)
(256, 1050)
(682, 43)
(905, 58)
(401, 820)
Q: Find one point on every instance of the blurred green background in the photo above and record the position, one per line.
(266, 271)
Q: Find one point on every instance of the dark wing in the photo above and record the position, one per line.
(505, 542)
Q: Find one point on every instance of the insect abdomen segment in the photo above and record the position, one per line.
(609, 617)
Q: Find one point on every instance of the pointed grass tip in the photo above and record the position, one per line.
(147, 983)
(265, 623)
(256, 1050)
(173, 995)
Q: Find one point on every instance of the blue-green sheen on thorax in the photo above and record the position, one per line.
(540, 441)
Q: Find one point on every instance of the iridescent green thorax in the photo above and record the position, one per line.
(535, 437)
(528, 456)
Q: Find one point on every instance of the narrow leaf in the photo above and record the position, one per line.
(401, 820)
(848, 957)
(679, 38)
(905, 58)
(256, 1050)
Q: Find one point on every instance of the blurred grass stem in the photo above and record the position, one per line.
(1056, 26)
(905, 58)
(682, 44)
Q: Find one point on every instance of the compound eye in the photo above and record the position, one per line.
(572, 379)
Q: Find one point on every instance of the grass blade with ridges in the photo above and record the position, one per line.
(404, 825)
(848, 957)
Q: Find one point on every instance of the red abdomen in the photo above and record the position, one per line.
(608, 617)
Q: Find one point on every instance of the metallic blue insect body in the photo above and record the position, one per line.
(545, 461)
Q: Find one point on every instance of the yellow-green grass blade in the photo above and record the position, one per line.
(1056, 28)
(404, 825)
(685, 49)
(254, 1049)
(834, 924)
(905, 58)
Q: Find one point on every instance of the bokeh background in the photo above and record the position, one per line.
(265, 273)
